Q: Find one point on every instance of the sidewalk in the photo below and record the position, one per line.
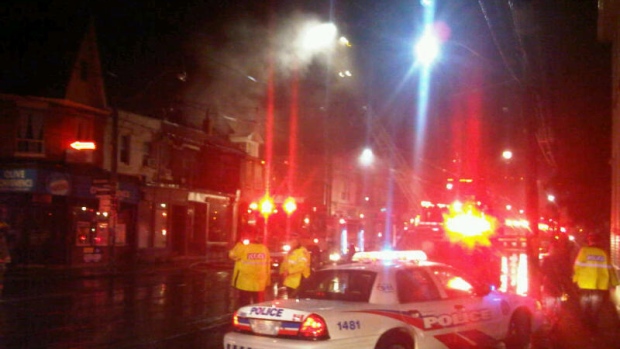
(101, 270)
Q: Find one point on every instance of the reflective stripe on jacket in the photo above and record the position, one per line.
(592, 270)
(252, 267)
(295, 265)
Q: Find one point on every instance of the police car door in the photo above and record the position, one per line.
(471, 311)
(420, 301)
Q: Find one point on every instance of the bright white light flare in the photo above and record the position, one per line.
(367, 157)
(319, 37)
(427, 50)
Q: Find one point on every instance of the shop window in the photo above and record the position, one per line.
(160, 238)
(144, 221)
(83, 233)
(102, 234)
(88, 235)
(219, 223)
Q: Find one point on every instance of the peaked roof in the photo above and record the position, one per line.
(49, 55)
(86, 84)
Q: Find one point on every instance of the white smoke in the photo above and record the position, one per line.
(234, 72)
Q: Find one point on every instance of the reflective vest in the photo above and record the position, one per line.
(252, 267)
(592, 270)
(295, 265)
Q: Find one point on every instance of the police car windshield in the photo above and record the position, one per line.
(341, 285)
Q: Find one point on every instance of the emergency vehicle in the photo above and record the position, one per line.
(494, 248)
(388, 300)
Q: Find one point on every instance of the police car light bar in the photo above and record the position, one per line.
(389, 256)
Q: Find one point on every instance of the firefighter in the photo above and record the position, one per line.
(594, 277)
(251, 273)
(295, 266)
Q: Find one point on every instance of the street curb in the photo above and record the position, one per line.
(88, 271)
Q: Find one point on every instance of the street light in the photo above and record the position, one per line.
(367, 157)
(316, 38)
(428, 48)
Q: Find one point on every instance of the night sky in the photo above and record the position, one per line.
(225, 47)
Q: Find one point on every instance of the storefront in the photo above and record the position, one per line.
(56, 217)
(176, 222)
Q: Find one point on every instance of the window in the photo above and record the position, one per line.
(455, 284)
(125, 148)
(84, 130)
(415, 285)
(343, 285)
(252, 149)
(30, 134)
(146, 155)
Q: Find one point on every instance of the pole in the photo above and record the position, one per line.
(528, 30)
(531, 182)
(113, 187)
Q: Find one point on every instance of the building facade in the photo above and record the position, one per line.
(83, 182)
(609, 31)
(50, 192)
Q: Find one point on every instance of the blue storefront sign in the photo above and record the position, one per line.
(85, 187)
(43, 181)
(21, 180)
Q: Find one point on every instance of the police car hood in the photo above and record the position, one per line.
(293, 309)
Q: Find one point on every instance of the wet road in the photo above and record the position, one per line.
(186, 305)
(568, 331)
(182, 307)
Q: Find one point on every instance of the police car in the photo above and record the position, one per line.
(388, 300)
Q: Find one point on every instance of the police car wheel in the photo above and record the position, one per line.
(394, 341)
(519, 332)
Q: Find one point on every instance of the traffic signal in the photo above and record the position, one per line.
(289, 205)
(266, 205)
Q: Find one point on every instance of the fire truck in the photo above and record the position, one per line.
(463, 235)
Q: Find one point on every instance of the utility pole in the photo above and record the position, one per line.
(113, 187)
(528, 31)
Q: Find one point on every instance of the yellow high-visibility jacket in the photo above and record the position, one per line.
(295, 265)
(252, 267)
(592, 270)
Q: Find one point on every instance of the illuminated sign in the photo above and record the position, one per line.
(18, 180)
(80, 145)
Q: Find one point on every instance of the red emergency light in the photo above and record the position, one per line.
(289, 205)
(80, 145)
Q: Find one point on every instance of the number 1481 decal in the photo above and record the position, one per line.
(349, 325)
